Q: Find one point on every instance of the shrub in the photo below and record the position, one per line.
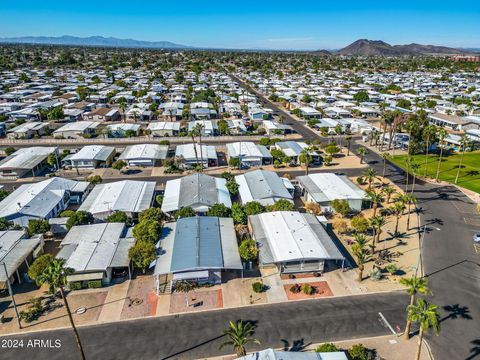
(391, 268)
(258, 287)
(119, 165)
(307, 289)
(327, 347)
(232, 187)
(92, 284)
(147, 231)
(341, 206)
(184, 212)
(234, 162)
(38, 226)
(295, 288)
(77, 285)
(281, 205)
(375, 274)
(219, 210)
(248, 250)
(39, 265)
(360, 224)
(118, 217)
(94, 179)
(238, 215)
(361, 180)
(33, 312)
(9, 151)
(142, 254)
(340, 225)
(359, 352)
(67, 213)
(79, 218)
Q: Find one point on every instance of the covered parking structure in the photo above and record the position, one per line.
(197, 249)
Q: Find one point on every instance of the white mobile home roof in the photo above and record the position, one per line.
(328, 186)
(263, 186)
(286, 236)
(187, 151)
(144, 151)
(79, 126)
(164, 125)
(27, 158)
(127, 195)
(93, 152)
(247, 149)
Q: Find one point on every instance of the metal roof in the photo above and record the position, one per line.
(187, 151)
(247, 149)
(93, 152)
(145, 151)
(263, 186)
(27, 158)
(198, 243)
(79, 126)
(292, 236)
(96, 247)
(270, 354)
(38, 199)
(198, 191)
(127, 195)
(291, 148)
(329, 186)
(164, 125)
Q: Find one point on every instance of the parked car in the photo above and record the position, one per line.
(476, 238)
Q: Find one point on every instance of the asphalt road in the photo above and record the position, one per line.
(450, 262)
(197, 335)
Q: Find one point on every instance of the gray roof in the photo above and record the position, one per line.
(14, 249)
(96, 247)
(145, 151)
(261, 184)
(93, 152)
(270, 354)
(325, 187)
(27, 158)
(198, 243)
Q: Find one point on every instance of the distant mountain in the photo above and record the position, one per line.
(92, 41)
(322, 52)
(366, 47)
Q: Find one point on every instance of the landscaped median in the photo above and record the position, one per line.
(468, 177)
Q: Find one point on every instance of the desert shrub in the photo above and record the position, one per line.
(359, 352)
(308, 289)
(92, 284)
(392, 269)
(340, 225)
(258, 287)
(295, 288)
(375, 274)
(327, 347)
(75, 285)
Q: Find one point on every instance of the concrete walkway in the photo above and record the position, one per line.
(112, 308)
(276, 291)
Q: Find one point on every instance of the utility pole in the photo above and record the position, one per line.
(10, 291)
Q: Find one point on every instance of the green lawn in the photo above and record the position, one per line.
(469, 174)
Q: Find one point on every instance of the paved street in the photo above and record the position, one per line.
(450, 262)
(197, 335)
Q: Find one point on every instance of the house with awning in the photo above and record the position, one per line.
(196, 249)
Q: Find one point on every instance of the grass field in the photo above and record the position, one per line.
(469, 177)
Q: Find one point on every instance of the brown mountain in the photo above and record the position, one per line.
(364, 47)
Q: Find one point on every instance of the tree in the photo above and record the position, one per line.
(407, 199)
(67, 213)
(38, 226)
(238, 215)
(253, 208)
(79, 218)
(360, 224)
(9, 151)
(359, 242)
(385, 156)
(239, 335)
(442, 135)
(341, 206)
(184, 212)
(5, 224)
(142, 254)
(397, 211)
(55, 275)
(464, 142)
(39, 266)
(375, 198)
(362, 256)
(3, 194)
(427, 316)
(370, 175)
(219, 210)
(388, 191)
(281, 205)
(232, 187)
(429, 133)
(234, 162)
(414, 168)
(377, 222)
(348, 139)
(119, 165)
(118, 217)
(248, 250)
(362, 152)
(95, 179)
(332, 149)
(404, 104)
(147, 231)
(414, 285)
(52, 160)
(151, 214)
(305, 158)
(361, 96)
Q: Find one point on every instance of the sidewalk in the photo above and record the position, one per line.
(114, 302)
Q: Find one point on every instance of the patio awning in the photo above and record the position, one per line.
(191, 275)
(85, 277)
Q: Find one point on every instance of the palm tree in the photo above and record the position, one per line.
(122, 104)
(362, 152)
(385, 156)
(362, 256)
(464, 142)
(239, 334)
(388, 191)
(414, 168)
(427, 316)
(377, 222)
(370, 175)
(376, 198)
(414, 285)
(429, 133)
(360, 241)
(305, 158)
(55, 275)
(397, 211)
(442, 135)
(348, 139)
(193, 133)
(199, 127)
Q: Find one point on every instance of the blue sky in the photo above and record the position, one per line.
(250, 24)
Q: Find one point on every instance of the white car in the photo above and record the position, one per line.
(476, 238)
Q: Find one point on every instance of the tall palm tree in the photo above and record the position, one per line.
(362, 152)
(199, 127)
(348, 139)
(55, 275)
(122, 104)
(397, 211)
(429, 134)
(192, 134)
(427, 316)
(377, 222)
(388, 191)
(442, 135)
(360, 241)
(305, 158)
(464, 142)
(414, 168)
(376, 198)
(239, 335)
(385, 156)
(414, 285)
(370, 175)
(362, 256)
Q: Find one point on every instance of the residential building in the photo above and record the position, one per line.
(270, 354)
(123, 130)
(144, 154)
(28, 130)
(102, 114)
(164, 128)
(193, 154)
(90, 157)
(26, 161)
(76, 130)
(293, 149)
(249, 153)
